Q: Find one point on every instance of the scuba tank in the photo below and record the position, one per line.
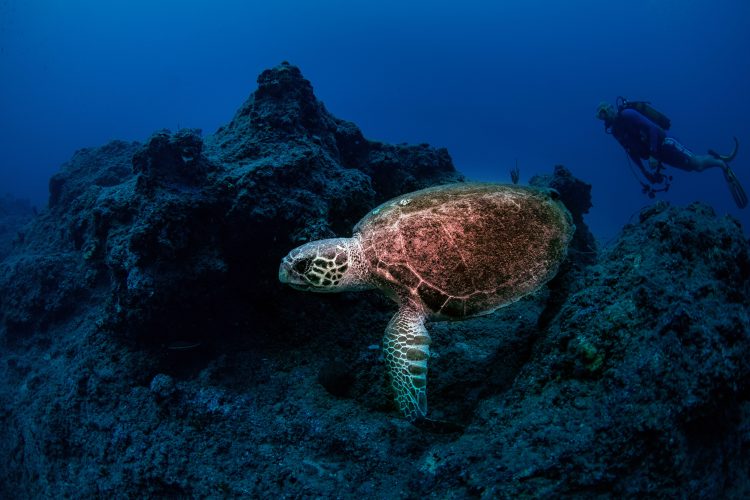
(645, 108)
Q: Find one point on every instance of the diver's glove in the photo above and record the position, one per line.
(738, 193)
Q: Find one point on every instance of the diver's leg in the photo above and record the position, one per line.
(700, 163)
(677, 155)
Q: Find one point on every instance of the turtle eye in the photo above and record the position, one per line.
(301, 266)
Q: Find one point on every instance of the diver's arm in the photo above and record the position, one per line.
(653, 177)
(637, 160)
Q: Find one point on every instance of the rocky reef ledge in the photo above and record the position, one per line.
(147, 349)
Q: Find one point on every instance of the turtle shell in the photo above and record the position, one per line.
(466, 249)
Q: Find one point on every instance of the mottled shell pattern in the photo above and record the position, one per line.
(466, 249)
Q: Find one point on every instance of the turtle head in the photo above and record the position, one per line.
(330, 265)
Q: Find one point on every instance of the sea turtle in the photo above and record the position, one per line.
(448, 252)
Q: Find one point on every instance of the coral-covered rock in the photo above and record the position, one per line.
(87, 172)
(640, 383)
(151, 259)
(172, 159)
(147, 348)
(14, 215)
(172, 232)
(576, 195)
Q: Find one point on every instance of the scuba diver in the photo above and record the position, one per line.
(642, 131)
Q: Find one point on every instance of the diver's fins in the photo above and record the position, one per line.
(730, 156)
(739, 195)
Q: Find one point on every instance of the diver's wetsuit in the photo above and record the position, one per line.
(643, 138)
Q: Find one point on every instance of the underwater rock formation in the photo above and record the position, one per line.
(147, 348)
(639, 386)
(142, 227)
(14, 215)
(576, 194)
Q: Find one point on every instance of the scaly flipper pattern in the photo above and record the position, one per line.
(447, 252)
(407, 349)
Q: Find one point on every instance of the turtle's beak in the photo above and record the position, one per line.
(290, 277)
(286, 274)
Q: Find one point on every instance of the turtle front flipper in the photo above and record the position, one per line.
(407, 349)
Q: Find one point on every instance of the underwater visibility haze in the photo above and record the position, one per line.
(158, 161)
(494, 82)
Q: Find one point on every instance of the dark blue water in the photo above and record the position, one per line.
(491, 81)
